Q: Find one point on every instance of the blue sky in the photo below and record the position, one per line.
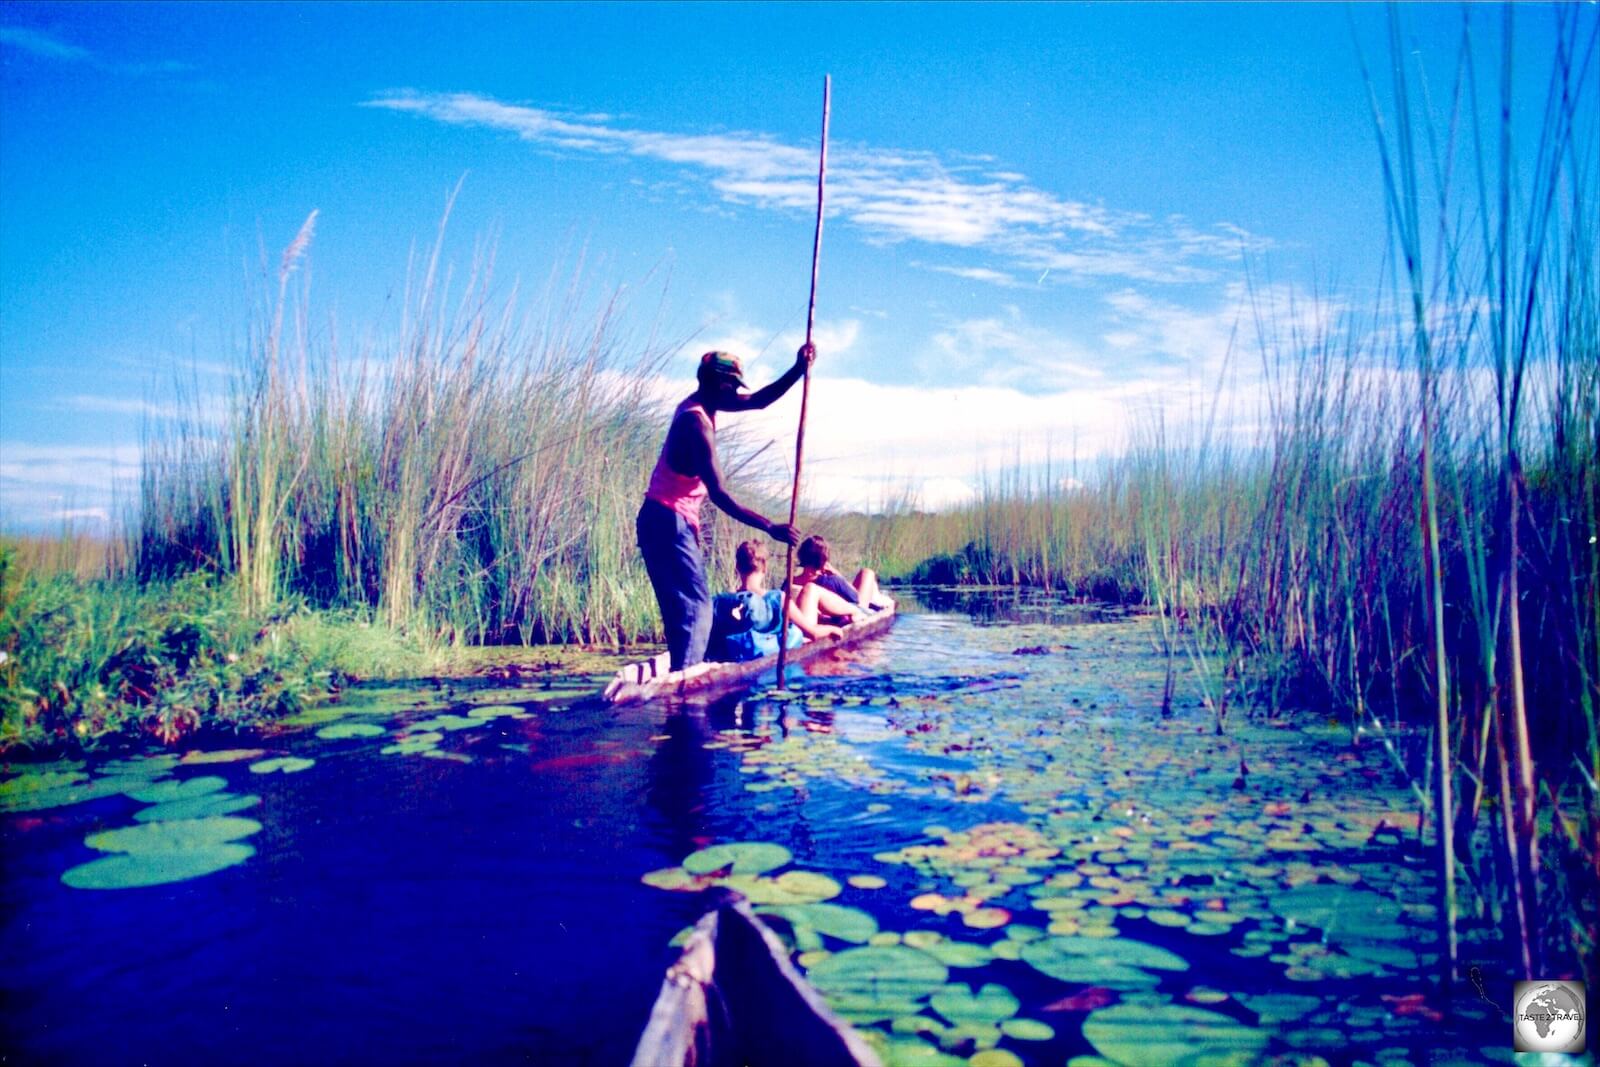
(1041, 217)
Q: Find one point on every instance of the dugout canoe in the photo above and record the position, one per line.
(733, 999)
(652, 678)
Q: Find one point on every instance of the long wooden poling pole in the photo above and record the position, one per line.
(805, 388)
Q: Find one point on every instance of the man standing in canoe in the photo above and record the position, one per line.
(684, 476)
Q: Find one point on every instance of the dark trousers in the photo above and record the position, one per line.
(672, 557)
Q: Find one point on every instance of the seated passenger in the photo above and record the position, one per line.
(816, 571)
(744, 623)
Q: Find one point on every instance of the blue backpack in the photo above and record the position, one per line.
(744, 626)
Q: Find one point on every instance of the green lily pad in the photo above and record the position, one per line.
(892, 972)
(673, 878)
(226, 755)
(959, 1004)
(187, 789)
(140, 766)
(1115, 962)
(1141, 1035)
(834, 920)
(1280, 1007)
(339, 731)
(918, 1054)
(1027, 1030)
(138, 869)
(960, 953)
(173, 836)
(496, 711)
(449, 722)
(155, 853)
(42, 792)
(412, 746)
(745, 857)
(204, 807)
(810, 886)
(995, 1057)
(282, 765)
(1343, 912)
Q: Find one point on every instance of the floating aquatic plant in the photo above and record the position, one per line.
(155, 853)
(342, 730)
(282, 765)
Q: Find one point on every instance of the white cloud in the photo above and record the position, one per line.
(869, 445)
(892, 195)
(42, 44)
(42, 485)
(48, 47)
(1003, 349)
(978, 274)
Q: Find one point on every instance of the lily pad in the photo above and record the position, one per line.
(205, 807)
(1142, 1035)
(339, 731)
(990, 1004)
(1027, 1030)
(449, 722)
(960, 953)
(809, 885)
(674, 878)
(1115, 962)
(225, 755)
(995, 1057)
(892, 972)
(155, 853)
(918, 1054)
(133, 870)
(744, 857)
(496, 711)
(187, 789)
(41, 792)
(282, 765)
(1342, 912)
(834, 920)
(172, 836)
(1280, 1007)
(866, 881)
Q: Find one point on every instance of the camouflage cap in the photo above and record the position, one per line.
(723, 365)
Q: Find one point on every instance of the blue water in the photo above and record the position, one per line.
(405, 910)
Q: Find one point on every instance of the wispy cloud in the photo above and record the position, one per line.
(891, 195)
(46, 46)
(46, 484)
(1004, 349)
(978, 274)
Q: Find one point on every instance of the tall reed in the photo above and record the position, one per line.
(473, 476)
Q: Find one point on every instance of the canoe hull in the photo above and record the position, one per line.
(653, 678)
(733, 999)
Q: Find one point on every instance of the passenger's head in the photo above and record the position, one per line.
(813, 552)
(750, 558)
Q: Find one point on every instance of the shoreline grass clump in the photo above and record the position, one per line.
(103, 661)
(472, 477)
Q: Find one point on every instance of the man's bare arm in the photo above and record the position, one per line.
(699, 445)
(767, 394)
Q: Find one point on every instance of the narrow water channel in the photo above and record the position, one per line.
(986, 806)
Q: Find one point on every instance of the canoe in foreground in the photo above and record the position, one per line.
(733, 999)
(653, 677)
